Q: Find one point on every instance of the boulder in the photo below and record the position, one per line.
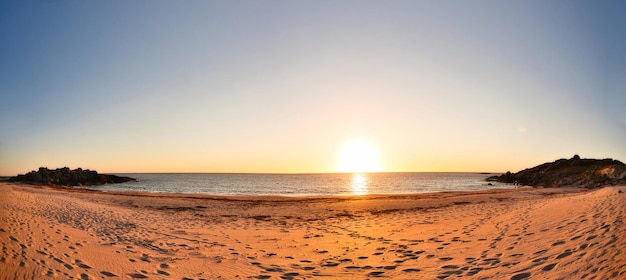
(66, 177)
(574, 172)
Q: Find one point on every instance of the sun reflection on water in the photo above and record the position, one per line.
(359, 184)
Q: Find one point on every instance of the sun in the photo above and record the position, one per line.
(358, 156)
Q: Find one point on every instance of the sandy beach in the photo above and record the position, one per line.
(520, 233)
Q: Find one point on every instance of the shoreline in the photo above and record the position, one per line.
(501, 233)
(296, 197)
(304, 185)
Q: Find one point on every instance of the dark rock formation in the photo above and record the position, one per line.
(66, 177)
(574, 172)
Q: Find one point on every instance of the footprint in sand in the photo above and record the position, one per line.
(50, 272)
(491, 261)
(521, 276)
(81, 264)
(289, 275)
(558, 243)
(548, 267)
(274, 269)
(474, 270)
(106, 273)
(450, 266)
(564, 254)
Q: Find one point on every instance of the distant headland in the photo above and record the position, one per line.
(67, 177)
(573, 172)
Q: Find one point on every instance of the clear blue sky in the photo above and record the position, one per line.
(280, 86)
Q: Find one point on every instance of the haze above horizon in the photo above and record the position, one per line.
(310, 86)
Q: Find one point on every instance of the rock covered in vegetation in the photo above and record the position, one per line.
(66, 177)
(574, 172)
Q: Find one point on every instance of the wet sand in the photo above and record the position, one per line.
(521, 233)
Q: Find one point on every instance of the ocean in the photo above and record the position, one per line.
(304, 184)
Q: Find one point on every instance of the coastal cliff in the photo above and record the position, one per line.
(574, 172)
(66, 177)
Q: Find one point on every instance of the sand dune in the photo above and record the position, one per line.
(501, 234)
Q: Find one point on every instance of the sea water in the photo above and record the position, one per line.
(304, 184)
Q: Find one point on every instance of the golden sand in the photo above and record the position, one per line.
(500, 234)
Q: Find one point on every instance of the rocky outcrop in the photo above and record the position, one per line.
(574, 172)
(66, 177)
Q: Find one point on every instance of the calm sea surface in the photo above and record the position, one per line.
(304, 184)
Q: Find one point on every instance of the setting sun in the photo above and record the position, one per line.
(358, 156)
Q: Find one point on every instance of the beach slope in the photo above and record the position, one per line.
(565, 233)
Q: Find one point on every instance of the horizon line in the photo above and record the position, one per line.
(281, 173)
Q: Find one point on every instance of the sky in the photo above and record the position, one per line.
(282, 86)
